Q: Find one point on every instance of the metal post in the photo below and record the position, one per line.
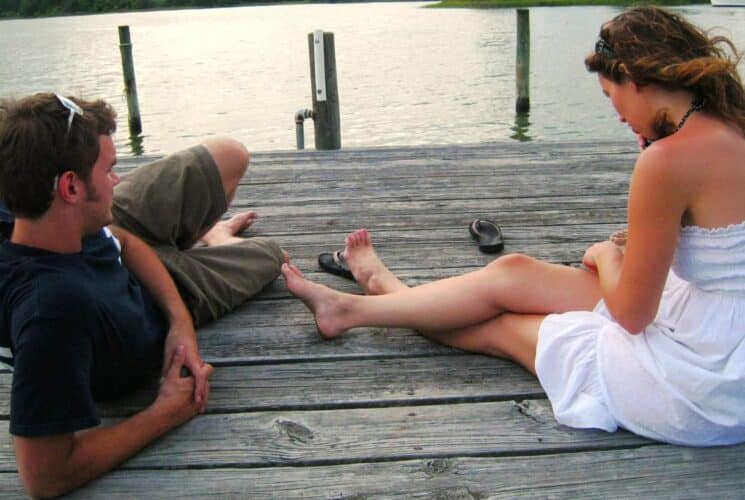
(130, 85)
(300, 116)
(522, 65)
(326, 120)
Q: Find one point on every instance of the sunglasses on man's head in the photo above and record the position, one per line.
(74, 110)
(72, 107)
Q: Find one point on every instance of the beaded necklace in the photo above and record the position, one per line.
(697, 105)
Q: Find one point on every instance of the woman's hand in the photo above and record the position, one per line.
(599, 251)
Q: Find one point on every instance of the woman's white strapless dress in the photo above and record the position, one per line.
(683, 379)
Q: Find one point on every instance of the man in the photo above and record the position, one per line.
(103, 278)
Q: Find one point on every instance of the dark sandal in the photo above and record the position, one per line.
(488, 234)
(334, 263)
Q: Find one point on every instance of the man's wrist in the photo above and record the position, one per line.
(179, 317)
(161, 417)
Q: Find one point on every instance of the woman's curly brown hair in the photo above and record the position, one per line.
(650, 45)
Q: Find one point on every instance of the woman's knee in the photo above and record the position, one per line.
(510, 263)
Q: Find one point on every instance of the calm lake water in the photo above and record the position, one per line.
(406, 74)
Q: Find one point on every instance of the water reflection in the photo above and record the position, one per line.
(406, 75)
(521, 128)
(136, 144)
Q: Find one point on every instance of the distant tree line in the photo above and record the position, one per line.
(30, 8)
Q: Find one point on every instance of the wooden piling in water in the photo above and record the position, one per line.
(522, 64)
(326, 119)
(130, 84)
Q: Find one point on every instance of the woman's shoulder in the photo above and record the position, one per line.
(700, 168)
(704, 144)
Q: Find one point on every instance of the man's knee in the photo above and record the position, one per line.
(230, 156)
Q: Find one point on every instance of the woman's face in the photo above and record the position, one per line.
(628, 103)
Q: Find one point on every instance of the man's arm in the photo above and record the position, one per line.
(51, 466)
(145, 264)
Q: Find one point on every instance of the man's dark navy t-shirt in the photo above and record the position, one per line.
(74, 328)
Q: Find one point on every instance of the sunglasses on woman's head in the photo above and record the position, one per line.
(603, 48)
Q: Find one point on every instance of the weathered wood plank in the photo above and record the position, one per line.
(630, 473)
(385, 412)
(301, 193)
(300, 341)
(321, 437)
(320, 218)
(433, 171)
(490, 167)
(437, 241)
(344, 384)
(509, 152)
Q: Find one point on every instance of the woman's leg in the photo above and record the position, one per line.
(368, 269)
(512, 336)
(509, 335)
(513, 283)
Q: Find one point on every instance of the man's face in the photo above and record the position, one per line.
(100, 186)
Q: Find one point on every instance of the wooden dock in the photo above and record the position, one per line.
(385, 413)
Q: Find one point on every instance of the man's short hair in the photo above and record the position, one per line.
(38, 142)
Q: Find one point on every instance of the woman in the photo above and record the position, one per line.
(626, 342)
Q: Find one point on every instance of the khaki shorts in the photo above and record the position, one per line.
(170, 204)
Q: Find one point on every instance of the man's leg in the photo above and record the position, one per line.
(231, 159)
(173, 202)
(215, 280)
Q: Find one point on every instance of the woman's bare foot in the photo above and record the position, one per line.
(327, 305)
(367, 268)
(224, 232)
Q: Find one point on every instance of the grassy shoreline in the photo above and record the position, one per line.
(496, 4)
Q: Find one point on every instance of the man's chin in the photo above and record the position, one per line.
(99, 225)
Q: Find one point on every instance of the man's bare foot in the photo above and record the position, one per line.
(327, 305)
(225, 231)
(367, 268)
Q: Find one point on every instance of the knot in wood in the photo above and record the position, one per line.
(525, 408)
(436, 466)
(455, 494)
(297, 433)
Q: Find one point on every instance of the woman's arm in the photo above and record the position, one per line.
(632, 282)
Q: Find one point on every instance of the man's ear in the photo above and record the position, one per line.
(68, 186)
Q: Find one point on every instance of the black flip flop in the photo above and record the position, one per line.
(488, 234)
(334, 263)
